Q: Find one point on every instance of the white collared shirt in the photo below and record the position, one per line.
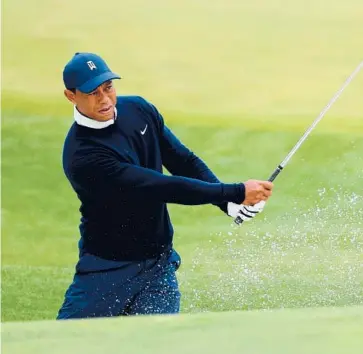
(92, 123)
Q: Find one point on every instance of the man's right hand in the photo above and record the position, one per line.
(256, 190)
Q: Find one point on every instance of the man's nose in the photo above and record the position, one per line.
(103, 98)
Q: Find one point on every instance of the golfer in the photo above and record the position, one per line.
(113, 157)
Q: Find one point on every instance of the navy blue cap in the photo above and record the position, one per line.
(86, 71)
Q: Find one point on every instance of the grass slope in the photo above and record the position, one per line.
(299, 331)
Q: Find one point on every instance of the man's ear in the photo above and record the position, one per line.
(70, 96)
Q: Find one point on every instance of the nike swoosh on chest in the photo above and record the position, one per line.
(143, 131)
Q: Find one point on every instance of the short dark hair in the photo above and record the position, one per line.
(72, 89)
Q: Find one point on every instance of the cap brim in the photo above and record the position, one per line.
(91, 85)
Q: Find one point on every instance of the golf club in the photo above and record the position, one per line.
(238, 220)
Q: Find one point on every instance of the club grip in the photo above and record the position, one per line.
(276, 173)
(238, 220)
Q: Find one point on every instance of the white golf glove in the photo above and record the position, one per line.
(245, 212)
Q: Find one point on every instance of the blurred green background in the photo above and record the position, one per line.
(238, 82)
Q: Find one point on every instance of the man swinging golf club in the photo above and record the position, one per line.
(113, 156)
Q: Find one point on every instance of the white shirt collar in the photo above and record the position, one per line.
(92, 123)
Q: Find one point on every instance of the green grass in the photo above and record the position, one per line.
(276, 261)
(238, 83)
(315, 331)
(225, 59)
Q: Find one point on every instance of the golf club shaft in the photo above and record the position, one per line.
(280, 167)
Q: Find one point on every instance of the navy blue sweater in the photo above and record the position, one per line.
(117, 173)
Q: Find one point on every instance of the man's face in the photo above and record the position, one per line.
(98, 104)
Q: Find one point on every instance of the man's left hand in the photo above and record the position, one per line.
(245, 212)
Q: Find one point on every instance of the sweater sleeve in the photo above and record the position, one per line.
(179, 160)
(99, 171)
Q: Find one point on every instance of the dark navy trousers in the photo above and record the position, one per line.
(125, 288)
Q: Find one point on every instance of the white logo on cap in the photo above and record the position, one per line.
(91, 65)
